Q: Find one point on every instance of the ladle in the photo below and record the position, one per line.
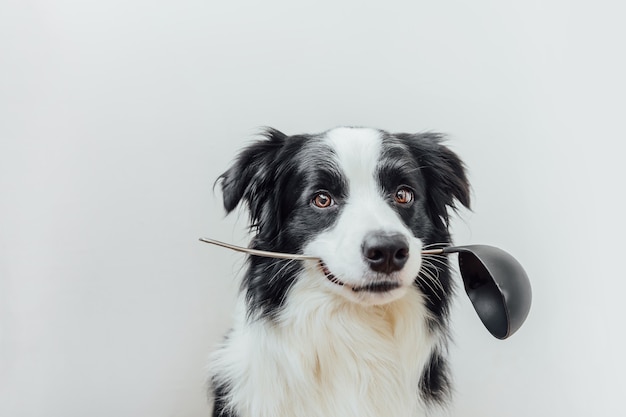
(495, 282)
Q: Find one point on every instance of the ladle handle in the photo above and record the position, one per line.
(441, 251)
(257, 252)
(280, 255)
(433, 252)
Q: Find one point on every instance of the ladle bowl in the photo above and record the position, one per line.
(496, 284)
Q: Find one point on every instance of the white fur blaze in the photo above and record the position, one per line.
(365, 211)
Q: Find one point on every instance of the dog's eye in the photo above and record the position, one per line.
(404, 196)
(323, 200)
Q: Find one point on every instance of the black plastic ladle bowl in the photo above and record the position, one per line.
(496, 284)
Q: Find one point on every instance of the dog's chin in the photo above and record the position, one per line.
(371, 293)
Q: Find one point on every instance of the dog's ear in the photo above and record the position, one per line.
(444, 172)
(252, 174)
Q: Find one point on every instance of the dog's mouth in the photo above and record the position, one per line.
(376, 287)
(329, 275)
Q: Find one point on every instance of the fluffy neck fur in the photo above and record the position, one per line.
(325, 356)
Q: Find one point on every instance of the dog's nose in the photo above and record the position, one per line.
(385, 252)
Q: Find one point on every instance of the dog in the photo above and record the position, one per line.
(362, 332)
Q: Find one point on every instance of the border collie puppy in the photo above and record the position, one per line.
(362, 332)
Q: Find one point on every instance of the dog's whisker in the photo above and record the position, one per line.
(437, 289)
(429, 267)
(436, 282)
(434, 261)
(433, 275)
(436, 245)
(278, 273)
(436, 273)
(425, 281)
(443, 261)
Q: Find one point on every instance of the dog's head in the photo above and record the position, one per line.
(362, 200)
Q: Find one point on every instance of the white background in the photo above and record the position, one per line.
(117, 116)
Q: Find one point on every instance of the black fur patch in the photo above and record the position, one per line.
(277, 179)
(438, 177)
(435, 382)
(220, 393)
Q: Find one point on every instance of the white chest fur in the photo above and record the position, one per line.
(327, 357)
